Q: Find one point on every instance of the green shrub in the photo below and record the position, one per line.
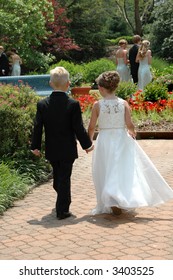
(75, 70)
(126, 89)
(86, 72)
(129, 39)
(36, 169)
(159, 63)
(168, 70)
(76, 80)
(155, 91)
(160, 67)
(37, 62)
(19, 168)
(12, 186)
(165, 79)
(94, 68)
(72, 68)
(17, 111)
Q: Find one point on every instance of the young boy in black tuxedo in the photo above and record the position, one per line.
(61, 118)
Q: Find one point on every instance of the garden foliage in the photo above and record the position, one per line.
(17, 111)
(19, 168)
(85, 72)
(12, 186)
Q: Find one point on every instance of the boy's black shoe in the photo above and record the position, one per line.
(64, 215)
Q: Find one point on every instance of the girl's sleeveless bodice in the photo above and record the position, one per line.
(111, 113)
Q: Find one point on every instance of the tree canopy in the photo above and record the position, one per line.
(22, 25)
(46, 31)
(162, 30)
(23, 22)
(37, 29)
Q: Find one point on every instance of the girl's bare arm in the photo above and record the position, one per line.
(128, 121)
(93, 120)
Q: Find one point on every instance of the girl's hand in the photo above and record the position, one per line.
(132, 134)
(89, 149)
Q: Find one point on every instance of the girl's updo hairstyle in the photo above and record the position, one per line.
(108, 80)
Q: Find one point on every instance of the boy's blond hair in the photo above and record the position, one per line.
(59, 76)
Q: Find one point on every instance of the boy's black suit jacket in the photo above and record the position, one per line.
(61, 118)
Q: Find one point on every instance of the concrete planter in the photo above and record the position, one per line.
(150, 135)
(80, 90)
(155, 135)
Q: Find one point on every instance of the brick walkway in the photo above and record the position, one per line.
(30, 229)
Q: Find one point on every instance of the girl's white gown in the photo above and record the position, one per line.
(123, 174)
(144, 73)
(123, 70)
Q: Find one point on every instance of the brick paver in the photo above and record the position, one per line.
(30, 229)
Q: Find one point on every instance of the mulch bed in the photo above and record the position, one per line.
(163, 126)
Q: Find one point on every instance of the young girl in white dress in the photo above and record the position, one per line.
(123, 175)
(144, 58)
(122, 61)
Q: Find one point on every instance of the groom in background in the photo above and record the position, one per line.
(132, 58)
(4, 63)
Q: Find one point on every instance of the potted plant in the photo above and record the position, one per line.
(77, 87)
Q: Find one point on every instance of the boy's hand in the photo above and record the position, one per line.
(89, 149)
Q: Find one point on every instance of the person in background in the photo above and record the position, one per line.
(122, 61)
(4, 63)
(132, 58)
(144, 59)
(123, 175)
(16, 62)
(61, 118)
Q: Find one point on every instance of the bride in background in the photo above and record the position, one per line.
(144, 58)
(16, 61)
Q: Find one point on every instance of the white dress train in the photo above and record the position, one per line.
(123, 174)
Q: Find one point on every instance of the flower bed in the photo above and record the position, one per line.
(86, 101)
(138, 103)
(147, 115)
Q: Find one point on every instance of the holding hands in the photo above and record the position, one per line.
(90, 149)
